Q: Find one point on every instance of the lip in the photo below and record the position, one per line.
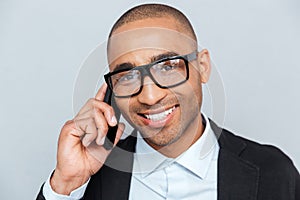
(156, 111)
(159, 123)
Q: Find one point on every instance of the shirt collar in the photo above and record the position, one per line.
(196, 159)
(147, 159)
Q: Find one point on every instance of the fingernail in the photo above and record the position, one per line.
(113, 120)
(102, 141)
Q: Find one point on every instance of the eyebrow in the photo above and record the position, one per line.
(122, 66)
(163, 55)
(128, 65)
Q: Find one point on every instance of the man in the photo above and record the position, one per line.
(175, 152)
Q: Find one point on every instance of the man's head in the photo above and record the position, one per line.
(166, 116)
(150, 11)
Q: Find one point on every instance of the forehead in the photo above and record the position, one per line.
(134, 40)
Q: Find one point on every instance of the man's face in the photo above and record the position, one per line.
(163, 116)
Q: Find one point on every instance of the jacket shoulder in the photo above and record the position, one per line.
(261, 154)
(271, 161)
(264, 154)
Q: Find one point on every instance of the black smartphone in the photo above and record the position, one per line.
(112, 131)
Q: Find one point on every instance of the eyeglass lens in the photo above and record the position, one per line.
(165, 74)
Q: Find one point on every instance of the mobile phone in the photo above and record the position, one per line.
(112, 131)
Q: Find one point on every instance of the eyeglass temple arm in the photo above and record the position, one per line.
(192, 56)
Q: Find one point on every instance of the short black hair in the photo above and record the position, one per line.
(145, 11)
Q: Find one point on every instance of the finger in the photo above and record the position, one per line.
(120, 131)
(72, 126)
(102, 127)
(99, 96)
(85, 114)
(107, 110)
(86, 107)
(87, 129)
(100, 108)
(97, 108)
(100, 121)
(101, 92)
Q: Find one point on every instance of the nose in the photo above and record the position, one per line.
(151, 94)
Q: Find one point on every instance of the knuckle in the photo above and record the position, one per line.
(97, 104)
(102, 127)
(108, 110)
(97, 112)
(91, 102)
(98, 115)
(105, 129)
(102, 107)
(69, 124)
(68, 127)
(111, 110)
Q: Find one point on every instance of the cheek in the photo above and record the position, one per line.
(126, 106)
(195, 83)
(123, 106)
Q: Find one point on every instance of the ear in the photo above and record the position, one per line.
(205, 66)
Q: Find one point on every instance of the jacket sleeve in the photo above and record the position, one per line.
(40, 195)
(297, 193)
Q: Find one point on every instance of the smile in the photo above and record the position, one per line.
(160, 116)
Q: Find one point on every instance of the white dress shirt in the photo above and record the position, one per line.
(192, 175)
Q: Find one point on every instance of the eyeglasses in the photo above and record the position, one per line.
(165, 73)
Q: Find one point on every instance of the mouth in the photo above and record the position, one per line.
(158, 118)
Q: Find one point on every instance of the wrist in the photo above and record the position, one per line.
(65, 185)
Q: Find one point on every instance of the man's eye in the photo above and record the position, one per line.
(166, 68)
(129, 76)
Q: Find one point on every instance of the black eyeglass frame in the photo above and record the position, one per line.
(145, 71)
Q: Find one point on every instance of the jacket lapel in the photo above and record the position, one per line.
(116, 174)
(237, 177)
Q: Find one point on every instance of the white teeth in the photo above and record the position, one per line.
(160, 116)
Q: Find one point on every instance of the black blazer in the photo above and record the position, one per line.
(246, 171)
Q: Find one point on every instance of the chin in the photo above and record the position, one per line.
(163, 138)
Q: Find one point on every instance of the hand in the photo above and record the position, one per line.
(80, 152)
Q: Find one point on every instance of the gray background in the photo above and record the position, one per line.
(42, 44)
